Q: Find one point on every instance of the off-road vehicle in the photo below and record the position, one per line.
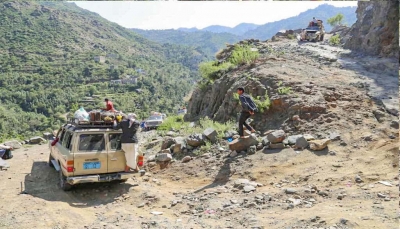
(314, 32)
(154, 121)
(85, 153)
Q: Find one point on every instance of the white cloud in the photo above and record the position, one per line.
(167, 15)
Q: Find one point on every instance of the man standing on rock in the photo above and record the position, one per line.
(248, 109)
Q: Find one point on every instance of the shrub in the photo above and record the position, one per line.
(335, 40)
(212, 70)
(243, 55)
(172, 122)
(284, 90)
(262, 103)
(291, 36)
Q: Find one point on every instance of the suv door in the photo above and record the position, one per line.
(90, 155)
(64, 150)
(116, 157)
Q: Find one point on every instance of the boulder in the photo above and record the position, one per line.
(241, 144)
(180, 145)
(265, 141)
(276, 146)
(211, 134)
(276, 136)
(252, 150)
(167, 143)
(36, 140)
(13, 144)
(301, 143)
(151, 158)
(292, 139)
(186, 159)
(195, 140)
(319, 144)
(308, 137)
(153, 144)
(163, 157)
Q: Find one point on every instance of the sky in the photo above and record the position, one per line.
(199, 14)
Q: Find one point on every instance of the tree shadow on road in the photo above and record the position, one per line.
(43, 180)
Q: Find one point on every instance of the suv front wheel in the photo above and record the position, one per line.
(63, 182)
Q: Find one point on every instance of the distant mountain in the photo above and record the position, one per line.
(204, 41)
(237, 30)
(266, 31)
(323, 12)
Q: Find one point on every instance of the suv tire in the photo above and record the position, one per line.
(50, 159)
(63, 182)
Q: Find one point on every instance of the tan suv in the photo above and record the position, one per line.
(85, 154)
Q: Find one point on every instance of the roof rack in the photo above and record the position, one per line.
(90, 124)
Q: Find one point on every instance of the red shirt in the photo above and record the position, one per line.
(110, 106)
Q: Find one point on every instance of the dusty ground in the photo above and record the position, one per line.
(201, 193)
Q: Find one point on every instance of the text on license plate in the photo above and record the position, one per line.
(92, 165)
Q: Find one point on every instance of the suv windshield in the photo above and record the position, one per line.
(91, 142)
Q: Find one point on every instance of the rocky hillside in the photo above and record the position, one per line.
(377, 28)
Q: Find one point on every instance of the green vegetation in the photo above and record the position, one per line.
(177, 123)
(334, 40)
(283, 90)
(336, 20)
(212, 70)
(291, 36)
(263, 103)
(48, 67)
(243, 55)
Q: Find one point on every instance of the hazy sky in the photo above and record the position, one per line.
(174, 14)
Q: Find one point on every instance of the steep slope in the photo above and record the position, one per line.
(47, 65)
(322, 12)
(203, 41)
(376, 30)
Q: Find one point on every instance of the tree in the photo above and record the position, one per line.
(336, 20)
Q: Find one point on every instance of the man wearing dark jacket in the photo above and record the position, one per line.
(248, 109)
(129, 140)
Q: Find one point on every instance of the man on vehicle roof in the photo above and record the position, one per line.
(109, 105)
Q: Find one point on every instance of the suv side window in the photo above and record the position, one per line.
(115, 141)
(66, 142)
(91, 142)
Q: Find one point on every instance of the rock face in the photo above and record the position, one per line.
(376, 30)
(241, 144)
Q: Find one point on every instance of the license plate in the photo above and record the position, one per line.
(92, 165)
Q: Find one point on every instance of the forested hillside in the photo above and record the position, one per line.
(47, 58)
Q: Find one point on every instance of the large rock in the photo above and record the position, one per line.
(163, 157)
(180, 145)
(242, 144)
(292, 139)
(36, 140)
(276, 136)
(13, 144)
(376, 29)
(167, 142)
(319, 144)
(301, 143)
(195, 140)
(211, 134)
